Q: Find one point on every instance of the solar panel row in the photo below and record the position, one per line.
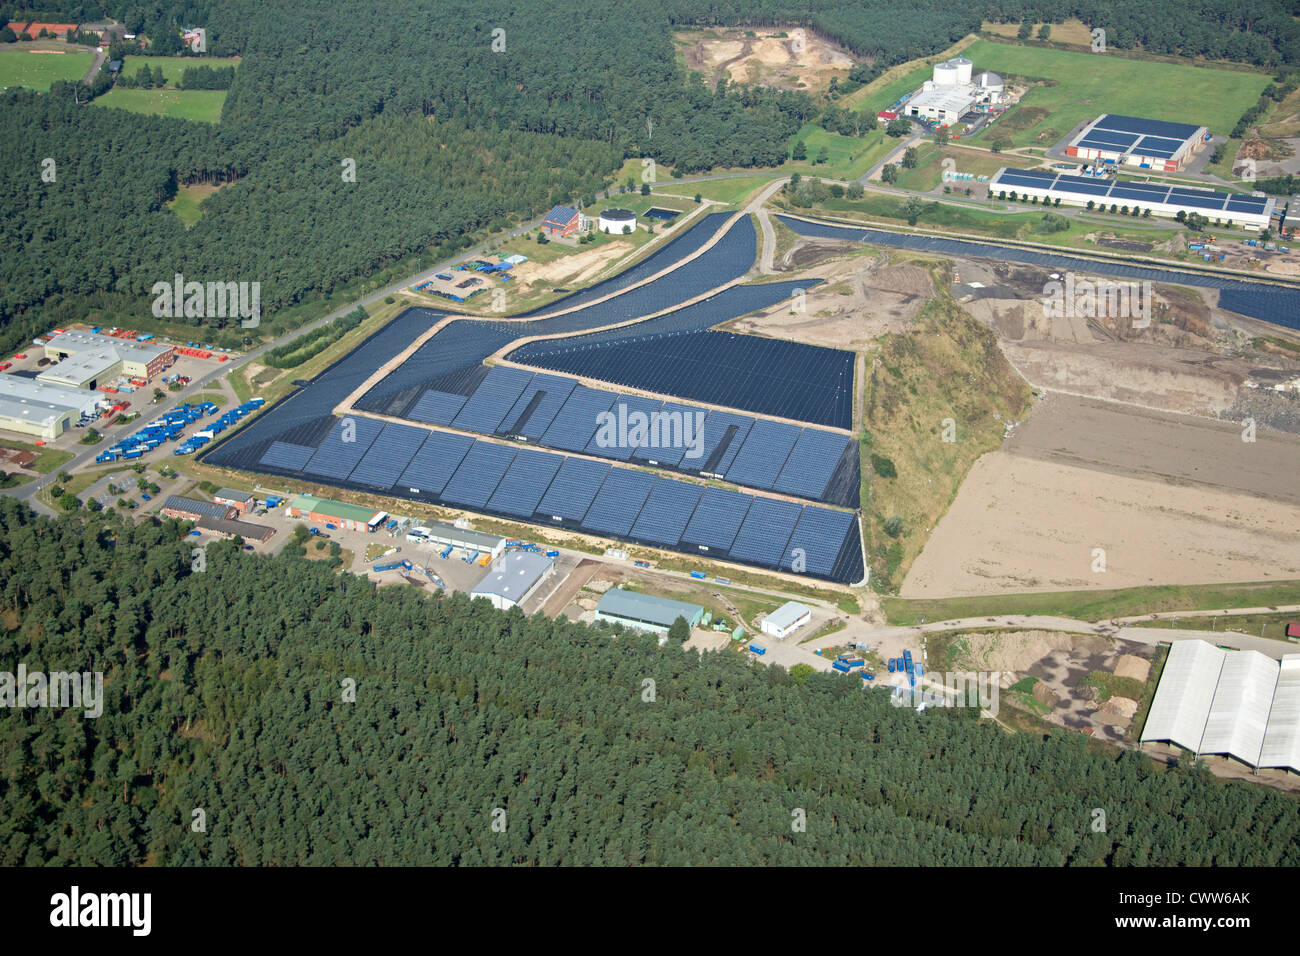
(1120, 191)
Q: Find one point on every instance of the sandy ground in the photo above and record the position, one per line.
(858, 301)
(1032, 525)
(578, 267)
(767, 60)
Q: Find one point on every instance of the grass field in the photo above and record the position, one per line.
(1073, 87)
(729, 191)
(1097, 605)
(36, 70)
(929, 168)
(47, 459)
(186, 204)
(174, 67)
(202, 106)
(848, 157)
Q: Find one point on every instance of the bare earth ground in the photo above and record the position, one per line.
(1170, 502)
(859, 300)
(767, 60)
(572, 269)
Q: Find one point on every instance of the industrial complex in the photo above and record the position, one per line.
(952, 92)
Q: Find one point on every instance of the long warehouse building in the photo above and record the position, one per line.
(1135, 141)
(1253, 212)
(36, 408)
(1238, 704)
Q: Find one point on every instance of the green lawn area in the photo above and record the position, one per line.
(729, 191)
(1082, 86)
(186, 204)
(1097, 605)
(928, 172)
(882, 93)
(848, 157)
(174, 67)
(203, 106)
(37, 70)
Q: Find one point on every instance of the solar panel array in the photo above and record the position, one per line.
(548, 488)
(1119, 192)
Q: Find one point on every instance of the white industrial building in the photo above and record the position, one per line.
(87, 360)
(513, 577)
(786, 619)
(436, 532)
(952, 93)
(1238, 704)
(45, 411)
(1250, 211)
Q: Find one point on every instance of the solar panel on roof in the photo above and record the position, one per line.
(1108, 139)
(1202, 202)
(811, 464)
(524, 482)
(1023, 177)
(344, 447)
(1079, 181)
(619, 442)
(764, 454)
(437, 408)
(435, 462)
(1247, 203)
(1123, 192)
(492, 399)
(283, 454)
(717, 518)
(667, 512)
(1151, 189)
(575, 485)
(1093, 188)
(767, 528)
(479, 474)
(619, 501)
(388, 457)
(1146, 127)
(817, 539)
(576, 422)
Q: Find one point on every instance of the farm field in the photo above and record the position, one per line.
(174, 67)
(38, 69)
(201, 106)
(1085, 85)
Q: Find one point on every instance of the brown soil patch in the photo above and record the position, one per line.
(1130, 665)
(798, 60)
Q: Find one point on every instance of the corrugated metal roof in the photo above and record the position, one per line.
(786, 614)
(1239, 712)
(1281, 747)
(1186, 692)
(244, 529)
(233, 495)
(512, 574)
(648, 608)
(333, 509)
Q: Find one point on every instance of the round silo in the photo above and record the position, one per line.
(945, 74)
(963, 68)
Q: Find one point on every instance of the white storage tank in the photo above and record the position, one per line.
(963, 67)
(945, 74)
(617, 221)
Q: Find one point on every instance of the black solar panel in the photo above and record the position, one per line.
(667, 512)
(494, 397)
(1153, 190)
(1122, 192)
(344, 447)
(1145, 127)
(817, 540)
(811, 464)
(1112, 140)
(571, 492)
(619, 501)
(764, 454)
(1247, 203)
(435, 462)
(767, 527)
(537, 405)
(628, 427)
(678, 432)
(388, 457)
(479, 474)
(1084, 188)
(524, 482)
(285, 455)
(437, 408)
(576, 421)
(716, 520)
